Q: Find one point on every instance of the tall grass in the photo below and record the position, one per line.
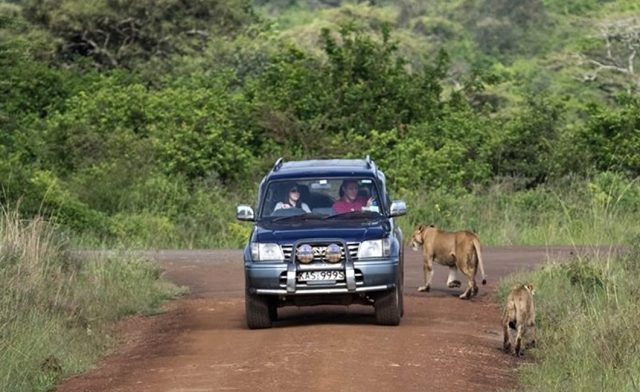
(602, 210)
(56, 309)
(587, 307)
(588, 331)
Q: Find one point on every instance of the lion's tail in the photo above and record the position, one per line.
(476, 244)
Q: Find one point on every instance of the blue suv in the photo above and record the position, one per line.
(324, 233)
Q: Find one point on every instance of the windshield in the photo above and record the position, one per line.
(313, 199)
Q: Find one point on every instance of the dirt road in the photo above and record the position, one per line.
(201, 342)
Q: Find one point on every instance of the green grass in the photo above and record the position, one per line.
(588, 334)
(56, 309)
(601, 210)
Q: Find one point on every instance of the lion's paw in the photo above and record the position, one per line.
(453, 284)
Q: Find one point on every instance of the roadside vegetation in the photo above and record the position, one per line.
(588, 333)
(603, 209)
(57, 309)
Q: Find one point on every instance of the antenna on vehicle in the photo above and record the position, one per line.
(278, 164)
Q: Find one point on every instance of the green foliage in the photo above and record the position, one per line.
(372, 89)
(584, 274)
(116, 33)
(572, 7)
(56, 308)
(571, 211)
(362, 86)
(525, 148)
(503, 27)
(196, 135)
(30, 87)
(587, 333)
(58, 202)
(131, 128)
(156, 149)
(448, 152)
(611, 138)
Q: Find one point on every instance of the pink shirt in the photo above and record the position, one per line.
(341, 206)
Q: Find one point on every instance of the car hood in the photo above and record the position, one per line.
(349, 232)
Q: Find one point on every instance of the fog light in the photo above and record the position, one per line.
(333, 253)
(304, 253)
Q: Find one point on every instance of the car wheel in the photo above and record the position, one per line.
(258, 311)
(388, 307)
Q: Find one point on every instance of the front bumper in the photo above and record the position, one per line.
(360, 276)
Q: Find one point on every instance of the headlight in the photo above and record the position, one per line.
(374, 248)
(266, 252)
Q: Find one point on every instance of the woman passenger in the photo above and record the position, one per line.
(293, 200)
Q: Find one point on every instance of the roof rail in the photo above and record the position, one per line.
(278, 164)
(371, 164)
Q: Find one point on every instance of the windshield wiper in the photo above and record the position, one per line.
(301, 217)
(355, 215)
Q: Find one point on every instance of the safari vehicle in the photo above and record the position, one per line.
(314, 255)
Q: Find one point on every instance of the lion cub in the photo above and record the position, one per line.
(519, 318)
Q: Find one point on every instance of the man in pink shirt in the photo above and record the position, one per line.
(350, 201)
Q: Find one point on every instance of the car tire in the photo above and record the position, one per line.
(258, 312)
(388, 307)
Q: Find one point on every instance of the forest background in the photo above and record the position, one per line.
(143, 124)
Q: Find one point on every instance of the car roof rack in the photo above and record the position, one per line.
(278, 164)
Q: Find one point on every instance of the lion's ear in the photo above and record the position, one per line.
(420, 227)
(530, 288)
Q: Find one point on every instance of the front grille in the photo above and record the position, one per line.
(351, 246)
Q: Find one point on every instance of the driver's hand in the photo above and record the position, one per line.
(370, 202)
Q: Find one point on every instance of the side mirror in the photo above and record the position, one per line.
(245, 213)
(398, 208)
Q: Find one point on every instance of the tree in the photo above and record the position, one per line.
(620, 45)
(611, 138)
(526, 143)
(311, 104)
(503, 27)
(119, 32)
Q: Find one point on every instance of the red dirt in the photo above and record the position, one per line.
(201, 342)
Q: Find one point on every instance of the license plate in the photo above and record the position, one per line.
(306, 276)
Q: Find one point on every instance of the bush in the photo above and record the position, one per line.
(587, 333)
(611, 137)
(56, 307)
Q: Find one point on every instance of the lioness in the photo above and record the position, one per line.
(519, 317)
(457, 250)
